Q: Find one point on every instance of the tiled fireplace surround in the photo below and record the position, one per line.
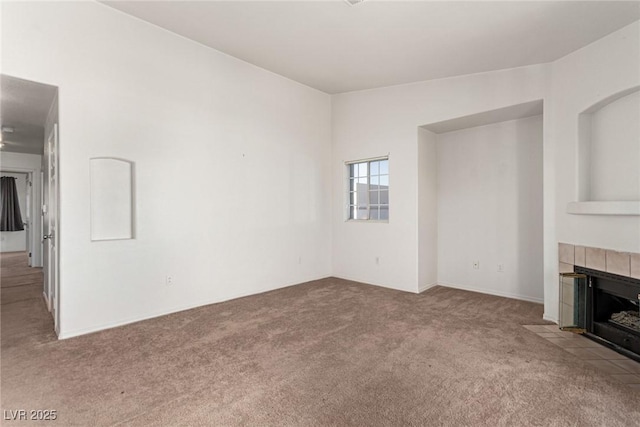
(620, 263)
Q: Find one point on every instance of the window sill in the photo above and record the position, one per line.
(375, 221)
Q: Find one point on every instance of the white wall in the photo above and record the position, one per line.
(427, 209)
(231, 164)
(606, 67)
(15, 241)
(580, 80)
(18, 162)
(490, 208)
(371, 122)
(380, 121)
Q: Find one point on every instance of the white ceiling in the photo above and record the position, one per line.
(336, 48)
(24, 106)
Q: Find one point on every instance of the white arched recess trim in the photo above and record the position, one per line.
(112, 199)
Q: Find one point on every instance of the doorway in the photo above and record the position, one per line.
(18, 240)
(29, 151)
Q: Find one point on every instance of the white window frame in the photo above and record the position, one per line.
(347, 191)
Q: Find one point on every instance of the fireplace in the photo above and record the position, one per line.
(612, 310)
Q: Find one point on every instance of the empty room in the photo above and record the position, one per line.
(320, 213)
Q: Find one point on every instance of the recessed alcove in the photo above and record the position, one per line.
(609, 157)
(112, 204)
(480, 199)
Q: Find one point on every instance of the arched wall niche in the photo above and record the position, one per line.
(608, 179)
(112, 199)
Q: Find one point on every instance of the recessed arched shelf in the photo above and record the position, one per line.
(604, 208)
(608, 178)
(112, 205)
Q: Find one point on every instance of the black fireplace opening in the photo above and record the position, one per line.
(613, 311)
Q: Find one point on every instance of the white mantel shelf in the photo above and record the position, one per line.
(604, 208)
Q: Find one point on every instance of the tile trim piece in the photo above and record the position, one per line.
(587, 260)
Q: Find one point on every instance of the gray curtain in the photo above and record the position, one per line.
(10, 217)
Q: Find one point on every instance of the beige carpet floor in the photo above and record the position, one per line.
(329, 352)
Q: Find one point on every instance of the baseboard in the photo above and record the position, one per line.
(66, 335)
(341, 277)
(491, 292)
(46, 301)
(423, 288)
(545, 316)
(63, 335)
(131, 320)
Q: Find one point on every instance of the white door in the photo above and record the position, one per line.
(27, 219)
(50, 212)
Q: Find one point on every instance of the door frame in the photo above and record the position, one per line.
(29, 223)
(34, 238)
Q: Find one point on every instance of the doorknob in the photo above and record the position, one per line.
(47, 236)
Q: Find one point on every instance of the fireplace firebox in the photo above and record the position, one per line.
(612, 311)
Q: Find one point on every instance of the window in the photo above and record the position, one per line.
(369, 190)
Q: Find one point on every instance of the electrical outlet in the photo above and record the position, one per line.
(476, 265)
(500, 268)
(169, 280)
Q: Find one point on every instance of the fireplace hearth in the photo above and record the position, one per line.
(612, 311)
